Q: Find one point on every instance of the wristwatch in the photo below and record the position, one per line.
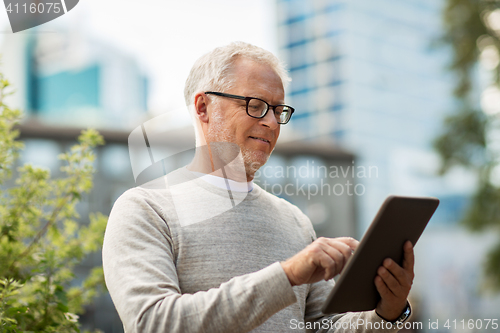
(402, 318)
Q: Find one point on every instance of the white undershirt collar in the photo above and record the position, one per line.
(225, 183)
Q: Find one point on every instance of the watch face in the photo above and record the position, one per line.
(406, 313)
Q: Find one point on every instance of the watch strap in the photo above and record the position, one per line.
(402, 318)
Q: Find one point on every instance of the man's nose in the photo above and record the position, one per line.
(269, 119)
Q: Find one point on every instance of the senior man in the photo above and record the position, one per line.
(188, 261)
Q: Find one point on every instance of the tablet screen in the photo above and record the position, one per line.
(398, 220)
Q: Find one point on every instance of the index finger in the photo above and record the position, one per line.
(409, 257)
(349, 241)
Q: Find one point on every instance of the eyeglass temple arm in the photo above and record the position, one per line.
(225, 95)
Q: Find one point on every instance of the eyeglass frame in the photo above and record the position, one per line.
(247, 99)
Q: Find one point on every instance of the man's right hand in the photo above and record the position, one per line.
(321, 260)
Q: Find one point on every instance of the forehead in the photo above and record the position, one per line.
(256, 79)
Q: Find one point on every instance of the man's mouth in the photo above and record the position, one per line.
(261, 139)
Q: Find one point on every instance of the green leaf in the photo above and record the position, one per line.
(40, 239)
(469, 136)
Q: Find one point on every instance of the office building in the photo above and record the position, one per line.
(367, 77)
(67, 79)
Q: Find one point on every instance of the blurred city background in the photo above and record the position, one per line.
(371, 88)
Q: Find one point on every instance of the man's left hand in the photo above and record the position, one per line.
(393, 283)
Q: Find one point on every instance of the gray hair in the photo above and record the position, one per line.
(211, 71)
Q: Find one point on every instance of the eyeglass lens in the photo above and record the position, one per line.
(257, 108)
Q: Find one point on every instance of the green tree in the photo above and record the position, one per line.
(41, 240)
(471, 134)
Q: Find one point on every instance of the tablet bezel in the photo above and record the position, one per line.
(355, 289)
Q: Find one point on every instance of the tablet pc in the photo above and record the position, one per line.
(398, 220)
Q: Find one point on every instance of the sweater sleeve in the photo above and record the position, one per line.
(140, 274)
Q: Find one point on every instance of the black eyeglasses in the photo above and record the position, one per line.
(257, 108)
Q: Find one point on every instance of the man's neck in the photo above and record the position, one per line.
(206, 161)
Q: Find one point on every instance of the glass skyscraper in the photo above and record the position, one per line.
(369, 78)
(65, 78)
(366, 76)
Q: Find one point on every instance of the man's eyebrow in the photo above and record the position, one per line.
(260, 97)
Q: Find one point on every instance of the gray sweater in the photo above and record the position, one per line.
(182, 255)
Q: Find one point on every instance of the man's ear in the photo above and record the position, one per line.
(201, 105)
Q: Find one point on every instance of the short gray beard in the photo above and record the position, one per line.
(252, 161)
(218, 133)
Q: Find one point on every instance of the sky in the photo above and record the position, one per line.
(167, 36)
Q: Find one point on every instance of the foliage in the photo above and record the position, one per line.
(471, 134)
(40, 238)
